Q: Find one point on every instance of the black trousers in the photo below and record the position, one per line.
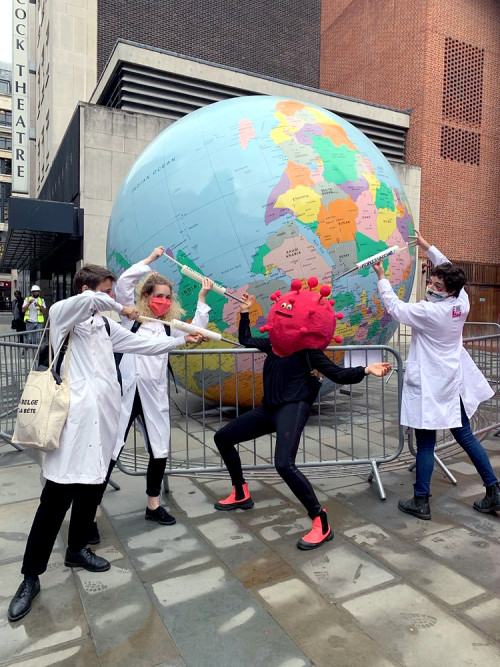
(55, 501)
(156, 467)
(288, 422)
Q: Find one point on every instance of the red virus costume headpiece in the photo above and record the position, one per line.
(301, 319)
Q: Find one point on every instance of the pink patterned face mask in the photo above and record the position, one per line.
(160, 305)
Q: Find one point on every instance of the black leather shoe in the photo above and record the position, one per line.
(21, 602)
(160, 515)
(94, 536)
(491, 501)
(87, 559)
(417, 506)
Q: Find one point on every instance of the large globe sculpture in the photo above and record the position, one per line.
(254, 192)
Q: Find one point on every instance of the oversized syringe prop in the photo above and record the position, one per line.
(191, 273)
(190, 329)
(370, 261)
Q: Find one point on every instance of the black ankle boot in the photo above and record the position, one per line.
(491, 501)
(21, 602)
(417, 506)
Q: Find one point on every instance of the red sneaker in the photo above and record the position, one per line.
(230, 503)
(321, 532)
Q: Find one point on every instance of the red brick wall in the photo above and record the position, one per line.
(392, 52)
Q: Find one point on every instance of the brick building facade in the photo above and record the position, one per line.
(441, 58)
(256, 35)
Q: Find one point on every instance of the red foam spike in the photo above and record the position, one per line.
(338, 339)
(303, 330)
(312, 282)
(332, 301)
(339, 316)
(325, 290)
(296, 285)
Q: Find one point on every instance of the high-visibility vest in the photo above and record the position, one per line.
(40, 317)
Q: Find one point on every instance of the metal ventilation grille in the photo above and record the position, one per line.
(149, 91)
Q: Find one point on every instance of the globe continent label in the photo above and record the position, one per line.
(254, 192)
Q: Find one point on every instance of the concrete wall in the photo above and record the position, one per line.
(66, 58)
(110, 142)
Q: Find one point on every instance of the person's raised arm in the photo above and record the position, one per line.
(125, 286)
(125, 341)
(64, 315)
(415, 315)
(244, 335)
(435, 255)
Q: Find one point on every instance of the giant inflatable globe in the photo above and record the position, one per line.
(254, 192)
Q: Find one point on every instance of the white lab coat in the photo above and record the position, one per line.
(148, 375)
(439, 371)
(89, 434)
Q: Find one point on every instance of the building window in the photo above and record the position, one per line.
(5, 118)
(460, 145)
(5, 87)
(6, 143)
(5, 192)
(5, 166)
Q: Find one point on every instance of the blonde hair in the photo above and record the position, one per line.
(146, 288)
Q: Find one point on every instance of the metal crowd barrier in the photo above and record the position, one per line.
(353, 429)
(485, 351)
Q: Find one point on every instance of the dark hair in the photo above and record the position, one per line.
(452, 276)
(91, 275)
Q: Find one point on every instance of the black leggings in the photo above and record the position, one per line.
(288, 422)
(156, 467)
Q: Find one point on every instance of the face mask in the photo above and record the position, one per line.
(159, 305)
(435, 297)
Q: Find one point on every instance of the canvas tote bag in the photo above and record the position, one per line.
(44, 405)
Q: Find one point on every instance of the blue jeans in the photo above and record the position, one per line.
(426, 441)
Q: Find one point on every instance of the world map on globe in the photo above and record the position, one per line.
(254, 192)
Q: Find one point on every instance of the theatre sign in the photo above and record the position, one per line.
(20, 97)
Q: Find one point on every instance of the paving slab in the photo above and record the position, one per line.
(386, 514)
(486, 617)
(468, 553)
(157, 551)
(15, 523)
(239, 628)
(415, 565)
(124, 623)
(231, 541)
(70, 654)
(324, 633)
(19, 483)
(467, 516)
(415, 631)
(57, 616)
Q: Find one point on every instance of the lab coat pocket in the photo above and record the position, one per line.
(413, 382)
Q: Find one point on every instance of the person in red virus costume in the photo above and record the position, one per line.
(301, 324)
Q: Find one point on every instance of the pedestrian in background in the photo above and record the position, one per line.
(17, 312)
(34, 310)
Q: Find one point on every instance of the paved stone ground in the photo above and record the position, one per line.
(224, 589)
